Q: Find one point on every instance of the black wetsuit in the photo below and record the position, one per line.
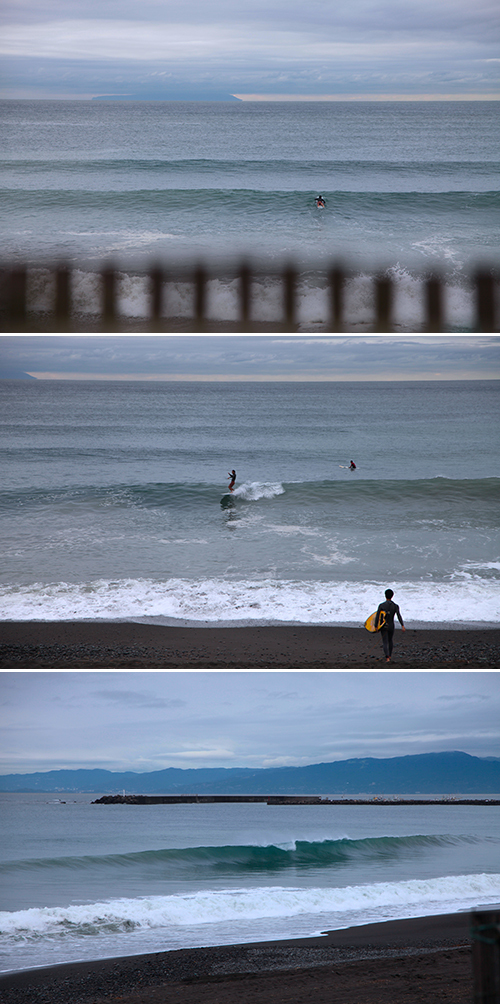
(391, 610)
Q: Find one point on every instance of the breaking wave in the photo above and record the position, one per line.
(415, 897)
(237, 859)
(438, 491)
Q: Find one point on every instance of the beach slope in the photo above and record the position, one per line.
(423, 959)
(109, 644)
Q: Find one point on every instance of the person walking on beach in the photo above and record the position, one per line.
(391, 610)
(232, 479)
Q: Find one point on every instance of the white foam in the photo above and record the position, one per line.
(475, 566)
(469, 600)
(312, 298)
(444, 894)
(254, 490)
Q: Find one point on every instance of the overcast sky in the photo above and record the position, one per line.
(148, 721)
(186, 49)
(170, 357)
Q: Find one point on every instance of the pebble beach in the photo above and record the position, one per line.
(413, 960)
(105, 645)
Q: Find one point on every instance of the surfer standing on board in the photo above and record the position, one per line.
(232, 479)
(391, 611)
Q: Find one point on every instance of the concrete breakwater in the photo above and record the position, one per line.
(285, 800)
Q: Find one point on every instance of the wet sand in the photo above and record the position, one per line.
(110, 644)
(426, 959)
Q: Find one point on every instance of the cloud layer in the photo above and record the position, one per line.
(255, 357)
(280, 46)
(148, 721)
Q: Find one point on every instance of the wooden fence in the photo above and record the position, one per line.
(16, 315)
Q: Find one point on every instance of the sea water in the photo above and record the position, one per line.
(115, 506)
(82, 881)
(410, 187)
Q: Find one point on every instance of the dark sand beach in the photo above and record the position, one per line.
(421, 960)
(110, 644)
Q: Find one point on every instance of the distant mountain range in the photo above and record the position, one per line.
(422, 774)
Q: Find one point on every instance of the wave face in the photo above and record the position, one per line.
(444, 498)
(248, 857)
(454, 504)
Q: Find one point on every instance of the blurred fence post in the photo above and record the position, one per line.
(17, 295)
(485, 302)
(244, 297)
(200, 279)
(383, 304)
(336, 287)
(108, 299)
(62, 303)
(485, 935)
(14, 301)
(433, 305)
(155, 284)
(289, 280)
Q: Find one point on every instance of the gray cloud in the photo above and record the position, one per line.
(136, 699)
(281, 44)
(57, 720)
(329, 357)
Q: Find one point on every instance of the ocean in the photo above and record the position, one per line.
(115, 506)
(411, 188)
(83, 881)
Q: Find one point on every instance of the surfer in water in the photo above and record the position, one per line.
(320, 202)
(232, 479)
(352, 466)
(391, 611)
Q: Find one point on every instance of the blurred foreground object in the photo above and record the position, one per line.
(60, 311)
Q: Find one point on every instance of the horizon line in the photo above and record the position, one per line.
(246, 97)
(249, 378)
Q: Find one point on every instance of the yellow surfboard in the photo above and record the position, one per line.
(370, 623)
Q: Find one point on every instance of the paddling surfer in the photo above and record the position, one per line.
(320, 202)
(391, 611)
(232, 479)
